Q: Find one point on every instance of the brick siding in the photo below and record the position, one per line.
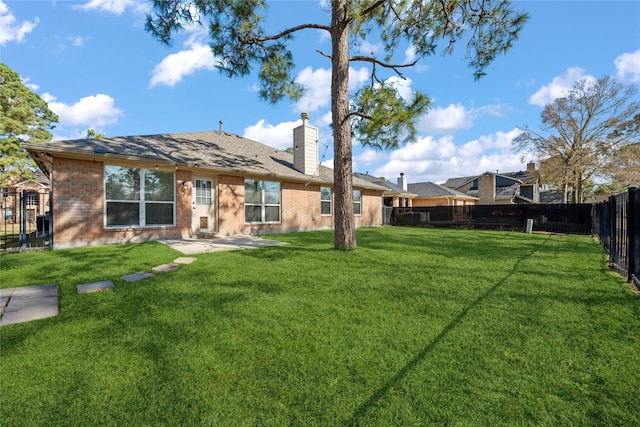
(78, 208)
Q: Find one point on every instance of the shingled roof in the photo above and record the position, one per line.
(391, 188)
(429, 189)
(221, 152)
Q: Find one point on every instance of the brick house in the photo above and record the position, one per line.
(395, 196)
(431, 194)
(200, 184)
(36, 201)
(500, 188)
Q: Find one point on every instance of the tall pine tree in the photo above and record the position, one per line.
(377, 115)
(24, 117)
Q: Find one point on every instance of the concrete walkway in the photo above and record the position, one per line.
(231, 243)
(27, 303)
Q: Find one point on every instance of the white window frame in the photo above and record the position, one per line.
(263, 203)
(328, 201)
(204, 194)
(357, 203)
(141, 202)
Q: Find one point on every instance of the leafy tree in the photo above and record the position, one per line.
(91, 134)
(25, 117)
(624, 169)
(583, 133)
(377, 115)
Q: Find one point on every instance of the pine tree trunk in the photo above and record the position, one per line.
(344, 227)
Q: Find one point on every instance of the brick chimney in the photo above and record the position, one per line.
(402, 181)
(531, 168)
(305, 147)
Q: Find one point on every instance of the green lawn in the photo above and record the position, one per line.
(415, 327)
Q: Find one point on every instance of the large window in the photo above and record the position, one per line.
(325, 201)
(261, 201)
(138, 197)
(357, 202)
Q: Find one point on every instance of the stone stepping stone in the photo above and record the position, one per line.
(184, 260)
(165, 268)
(135, 277)
(95, 287)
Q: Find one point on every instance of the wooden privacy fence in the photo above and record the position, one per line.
(567, 218)
(617, 224)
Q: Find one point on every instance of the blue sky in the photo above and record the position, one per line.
(97, 68)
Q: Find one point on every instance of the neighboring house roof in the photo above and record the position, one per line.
(429, 189)
(212, 150)
(391, 188)
(41, 180)
(551, 196)
(459, 182)
(522, 176)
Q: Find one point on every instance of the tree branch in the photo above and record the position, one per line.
(257, 40)
(358, 114)
(326, 55)
(373, 7)
(375, 61)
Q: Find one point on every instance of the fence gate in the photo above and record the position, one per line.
(26, 221)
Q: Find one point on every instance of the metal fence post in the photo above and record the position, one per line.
(23, 220)
(632, 233)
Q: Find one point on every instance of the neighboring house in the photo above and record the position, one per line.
(136, 188)
(500, 188)
(396, 196)
(430, 194)
(36, 202)
(551, 197)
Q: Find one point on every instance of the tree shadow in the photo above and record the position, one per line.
(379, 394)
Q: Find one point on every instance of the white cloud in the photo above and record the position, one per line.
(403, 86)
(115, 6)
(279, 136)
(358, 77)
(318, 86)
(437, 160)
(177, 65)
(367, 48)
(33, 86)
(77, 41)
(318, 89)
(446, 119)
(629, 64)
(558, 87)
(10, 29)
(410, 54)
(500, 140)
(90, 111)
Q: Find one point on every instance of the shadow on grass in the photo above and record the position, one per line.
(379, 394)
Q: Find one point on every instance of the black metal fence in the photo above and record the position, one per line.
(569, 218)
(25, 220)
(617, 224)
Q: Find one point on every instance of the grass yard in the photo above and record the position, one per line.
(415, 327)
